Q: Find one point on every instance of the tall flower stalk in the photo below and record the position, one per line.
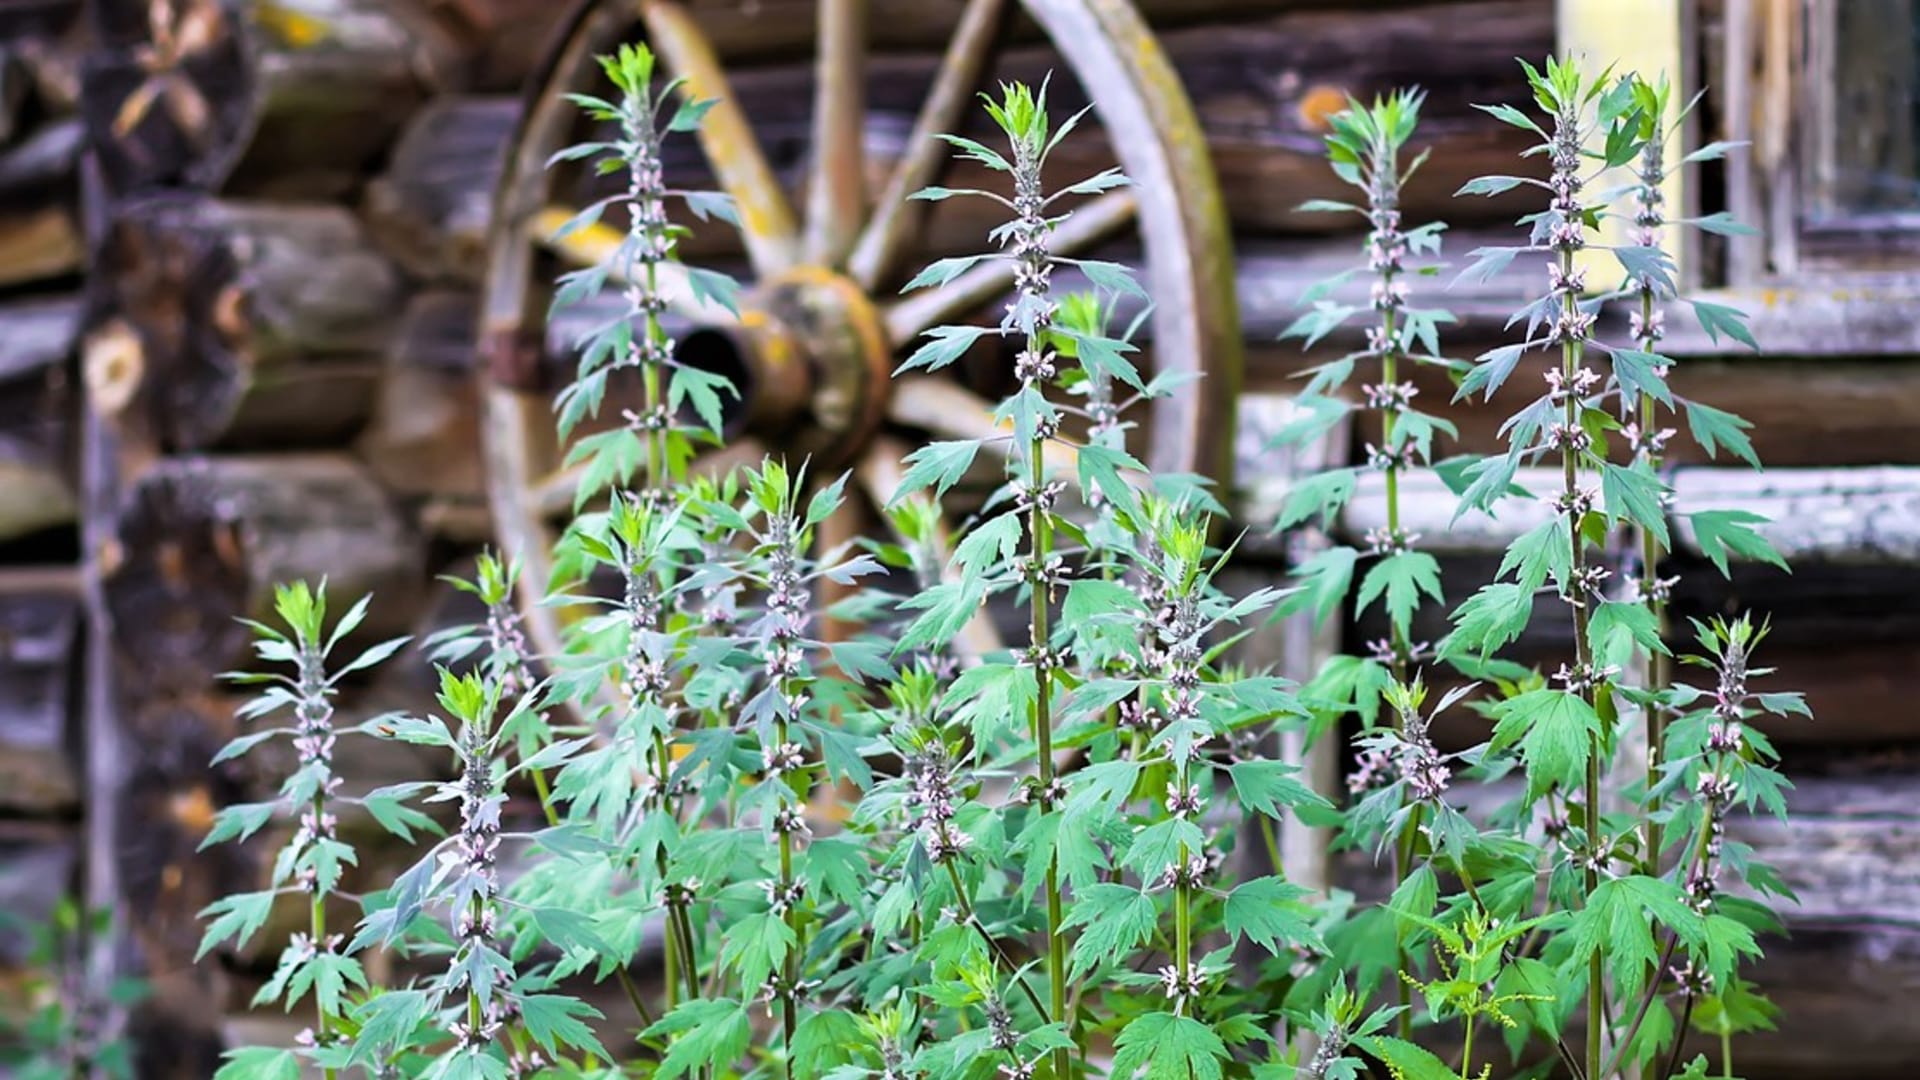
(312, 862)
(1367, 145)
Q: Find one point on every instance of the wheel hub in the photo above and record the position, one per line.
(810, 359)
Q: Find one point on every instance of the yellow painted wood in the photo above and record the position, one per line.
(1635, 36)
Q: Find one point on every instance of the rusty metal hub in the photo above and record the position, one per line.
(811, 360)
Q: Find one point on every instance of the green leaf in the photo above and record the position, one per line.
(1269, 911)
(941, 464)
(1632, 493)
(1723, 532)
(993, 700)
(388, 808)
(1553, 729)
(1489, 620)
(942, 271)
(1616, 628)
(237, 822)
(1168, 1047)
(1405, 1060)
(703, 388)
(825, 1040)
(554, 1020)
(1490, 372)
(708, 1032)
(1159, 846)
(1492, 185)
(945, 344)
(1100, 471)
(1718, 319)
(1117, 919)
(1325, 578)
(1267, 786)
(1638, 373)
(1615, 923)
(755, 946)
(1401, 577)
(259, 1063)
(1322, 494)
(1721, 223)
(240, 916)
(997, 539)
(1713, 428)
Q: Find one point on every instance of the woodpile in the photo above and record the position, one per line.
(269, 371)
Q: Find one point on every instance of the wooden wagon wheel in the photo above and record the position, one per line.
(820, 329)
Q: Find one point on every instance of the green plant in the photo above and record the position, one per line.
(1612, 920)
(1039, 860)
(55, 1024)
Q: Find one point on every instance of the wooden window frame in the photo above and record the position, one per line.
(1850, 287)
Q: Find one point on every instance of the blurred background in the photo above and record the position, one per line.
(251, 328)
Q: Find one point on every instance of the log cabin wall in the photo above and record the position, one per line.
(238, 262)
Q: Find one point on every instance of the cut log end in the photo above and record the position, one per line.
(233, 321)
(205, 540)
(216, 95)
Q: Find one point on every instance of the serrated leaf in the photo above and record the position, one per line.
(1718, 319)
(1713, 428)
(1553, 729)
(1271, 913)
(1163, 1046)
(259, 1063)
(1489, 620)
(1723, 532)
(554, 1021)
(706, 1032)
(1117, 919)
(1268, 787)
(1322, 495)
(1402, 578)
(1632, 493)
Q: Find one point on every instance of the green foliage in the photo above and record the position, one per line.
(858, 838)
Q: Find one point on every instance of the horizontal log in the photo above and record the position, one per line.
(431, 209)
(201, 541)
(40, 231)
(489, 46)
(423, 438)
(231, 323)
(1855, 517)
(286, 102)
(37, 338)
(39, 633)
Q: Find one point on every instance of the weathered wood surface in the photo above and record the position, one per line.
(37, 338)
(1864, 516)
(488, 46)
(39, 637)
(40, 230)
(432, 206)
(202, 540)
(423, 438)
(234, 323)
(282, 101)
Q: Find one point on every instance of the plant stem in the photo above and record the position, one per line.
(1040, 532)
(1571, 350)
(1466, 1059)
(1726, 1052)
(993, 944)
(790, 963)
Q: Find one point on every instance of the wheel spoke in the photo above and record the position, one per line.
(596, 244)
(766, 219)
(961, 69)
(945, 408)
(836, 193)
(879, 475)
(1088, 224)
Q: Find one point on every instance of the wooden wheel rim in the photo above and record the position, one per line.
(1137, 95)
